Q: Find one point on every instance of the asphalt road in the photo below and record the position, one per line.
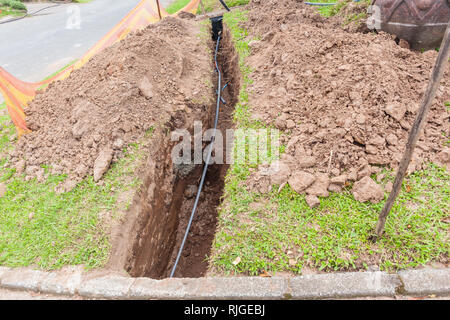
(37, 46)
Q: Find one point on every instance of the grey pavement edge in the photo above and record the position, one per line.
(37, 46)
(105, 285)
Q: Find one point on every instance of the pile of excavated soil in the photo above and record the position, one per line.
(82, 124)
(351, 17)
(346, 101)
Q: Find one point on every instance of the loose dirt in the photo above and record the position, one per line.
(345, 100)
(82, 124)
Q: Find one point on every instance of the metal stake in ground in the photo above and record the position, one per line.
(438, 70)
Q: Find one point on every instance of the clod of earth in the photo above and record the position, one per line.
(339, 180)
(396, 111)
(443, 158)
(191, 191)
(102, 163)
(320, 186)
(279, 172)
(312, 201)
(2, 190)
(367, 190)
(300, 180)
(146, 88)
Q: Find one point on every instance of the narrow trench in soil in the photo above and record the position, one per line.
(154, 259)
(198, 244)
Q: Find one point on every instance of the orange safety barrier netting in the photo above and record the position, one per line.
(18, 94)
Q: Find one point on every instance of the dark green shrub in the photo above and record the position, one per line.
(13, 4)
(18, 5)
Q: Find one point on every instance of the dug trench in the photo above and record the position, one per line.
(149, 240)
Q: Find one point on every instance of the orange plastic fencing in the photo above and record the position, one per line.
(18, 94)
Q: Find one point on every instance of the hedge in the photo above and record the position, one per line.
(13, 4)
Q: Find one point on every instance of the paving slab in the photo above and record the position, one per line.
(22, 279)
(426, 281)
(210, 288)
(72, 282)
(106, 287)
(25, 295)
(64, 282)
(344, 285)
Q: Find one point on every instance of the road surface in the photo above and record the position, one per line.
(37, 46)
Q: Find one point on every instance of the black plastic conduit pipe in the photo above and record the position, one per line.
(208, 158)
(224, 5)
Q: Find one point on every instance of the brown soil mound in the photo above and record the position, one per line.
(83, 123)
(351, 16)
(347, 100)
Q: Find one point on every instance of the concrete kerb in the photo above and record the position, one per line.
(210, 288)
(430, 281)
(345, 285)
(73, 281)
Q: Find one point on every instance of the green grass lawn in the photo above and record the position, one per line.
(279, 232)
(329, 11)
(176, 5)
(6, 11)
(42, 228)
(209, 5)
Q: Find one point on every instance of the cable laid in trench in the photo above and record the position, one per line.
(208, 158)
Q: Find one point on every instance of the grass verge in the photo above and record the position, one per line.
(45, 229)
(7, 11)
(209, 5)
(278, 232)
(176, 5)
(332, 10)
